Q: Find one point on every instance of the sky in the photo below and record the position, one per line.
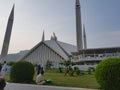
(101, 19)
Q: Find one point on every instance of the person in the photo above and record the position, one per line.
(38, 69)
(66, 70)
(0, 66)
(3, 70)
(7, 68)
(42, 70)
(60, 69)
(39, 79)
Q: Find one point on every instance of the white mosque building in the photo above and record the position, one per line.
(57, 51)
(52, 50)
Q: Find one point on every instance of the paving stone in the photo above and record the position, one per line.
(14, 86)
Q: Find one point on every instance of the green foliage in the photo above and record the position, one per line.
(76, 69)
(67, 63)
(22, 72)
(11, 63)
(61, 63)
(108, 74)
(71, 72)
(2, 83)
(90, 70)
(48, 64)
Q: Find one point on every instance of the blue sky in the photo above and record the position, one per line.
(101, 19)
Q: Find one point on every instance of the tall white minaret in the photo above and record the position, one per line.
(84, 37)
(7, 35)
(78, 26)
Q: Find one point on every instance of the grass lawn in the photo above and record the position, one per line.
(82, 81)
(59, 79)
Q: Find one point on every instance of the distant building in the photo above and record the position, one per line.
(91, 57)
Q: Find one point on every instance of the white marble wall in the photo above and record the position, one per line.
(42, 54)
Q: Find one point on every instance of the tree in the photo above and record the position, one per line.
(48, 64)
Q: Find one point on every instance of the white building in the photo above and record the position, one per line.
(91, 57)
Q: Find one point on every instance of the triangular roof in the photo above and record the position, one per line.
(61, 48)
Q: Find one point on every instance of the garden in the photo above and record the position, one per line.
(58, 78)
(105, 77)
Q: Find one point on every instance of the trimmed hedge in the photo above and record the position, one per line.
(22, 72)
(108, 74)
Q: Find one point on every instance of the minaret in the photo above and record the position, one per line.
(7, 35)
(78, 26)
(43, 37)
(84, 37)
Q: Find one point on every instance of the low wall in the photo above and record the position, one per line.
(85, 67)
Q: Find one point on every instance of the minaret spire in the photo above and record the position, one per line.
(43, 36)
(77, 2)
(7, 35)
(84, 37)
(78, 26)
(55, 38)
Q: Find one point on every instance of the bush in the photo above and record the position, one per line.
(11, 63)
(48, 64)
(2, 83)
(90, 70)
(22, 72)
(108, 74)
(76, 69)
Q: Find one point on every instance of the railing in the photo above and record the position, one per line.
(92, 58)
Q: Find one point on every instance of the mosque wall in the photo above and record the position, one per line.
(42, 54)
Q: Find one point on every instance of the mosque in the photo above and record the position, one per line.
(57, 51)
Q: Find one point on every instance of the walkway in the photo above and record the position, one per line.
(13, 86)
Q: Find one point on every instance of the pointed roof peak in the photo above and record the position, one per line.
(51, 37)
(12, 12)
(55, 38)
(13, 5)
(77, 2)
(53, 34)
(43, 36)
(84, 29)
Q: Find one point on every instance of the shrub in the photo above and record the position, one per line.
(108, 74)
(77, 71)
(11, 63)
(2, 83)
(90, 70)
(22, 72)
(48, 64)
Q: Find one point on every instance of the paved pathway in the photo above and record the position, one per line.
(13, 86)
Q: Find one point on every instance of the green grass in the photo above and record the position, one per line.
(59, 79)
(82, 81)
